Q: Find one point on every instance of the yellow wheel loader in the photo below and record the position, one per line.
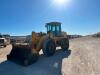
(26, 54)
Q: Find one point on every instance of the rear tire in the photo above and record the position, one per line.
(65, 44)
(49, 47)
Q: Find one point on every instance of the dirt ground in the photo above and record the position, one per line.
(81, 59)
(85, 57)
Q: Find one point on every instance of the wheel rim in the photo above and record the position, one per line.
(51, 48)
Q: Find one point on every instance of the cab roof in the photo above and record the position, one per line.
(53, 23)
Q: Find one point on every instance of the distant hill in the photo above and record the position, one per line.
(74, 36)
(95, 34)
(18, 37)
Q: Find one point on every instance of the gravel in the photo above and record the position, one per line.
(81, 59)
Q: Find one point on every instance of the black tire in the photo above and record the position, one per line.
(5, 45)
(65, 44)
(32, 58)
(49, 47)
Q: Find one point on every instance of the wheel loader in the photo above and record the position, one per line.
(26, 54)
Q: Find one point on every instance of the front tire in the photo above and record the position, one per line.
(49, 47)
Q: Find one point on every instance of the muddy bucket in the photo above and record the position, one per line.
(23, 55)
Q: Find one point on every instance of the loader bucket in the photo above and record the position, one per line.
(23, 55)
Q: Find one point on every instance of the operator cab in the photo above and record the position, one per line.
(54, 28)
